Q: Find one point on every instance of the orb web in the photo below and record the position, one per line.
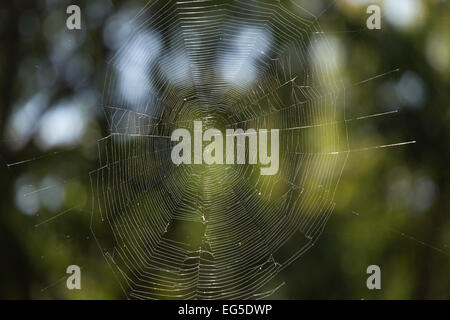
(216, 231)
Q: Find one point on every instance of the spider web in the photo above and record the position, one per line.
(218, 231)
